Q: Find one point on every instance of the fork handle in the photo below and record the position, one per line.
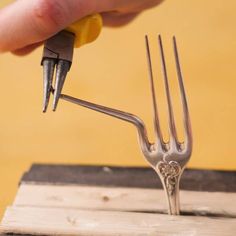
(170, 174)
(172, 193)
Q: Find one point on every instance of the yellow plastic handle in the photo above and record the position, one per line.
(86, 30)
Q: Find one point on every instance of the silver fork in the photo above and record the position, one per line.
(168, 159)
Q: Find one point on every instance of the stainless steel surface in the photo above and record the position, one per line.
(62, 69)
(59, 46)
(48, 70)
(168, 159)
(58, 50)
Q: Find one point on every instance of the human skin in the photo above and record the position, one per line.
(25, 24)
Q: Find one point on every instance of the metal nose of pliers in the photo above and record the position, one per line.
(57, 53)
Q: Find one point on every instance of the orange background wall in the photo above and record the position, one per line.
(113, 72)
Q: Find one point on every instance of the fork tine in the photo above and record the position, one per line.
(186, 117)
(172, 128)
(155, 110)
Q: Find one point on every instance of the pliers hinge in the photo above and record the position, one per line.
(59, 47)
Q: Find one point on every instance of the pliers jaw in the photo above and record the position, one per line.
(58, 52)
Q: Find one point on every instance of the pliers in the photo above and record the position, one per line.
(58, 52)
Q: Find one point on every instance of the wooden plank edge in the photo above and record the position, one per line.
(121, 176)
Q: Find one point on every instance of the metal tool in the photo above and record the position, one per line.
(167, 159)
(58, 52)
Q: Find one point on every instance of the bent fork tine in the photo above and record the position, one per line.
(143, 138)
(186, 117)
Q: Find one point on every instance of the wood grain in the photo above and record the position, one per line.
(54, 221)
(124, 199)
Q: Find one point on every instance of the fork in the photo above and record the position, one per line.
(168, 159)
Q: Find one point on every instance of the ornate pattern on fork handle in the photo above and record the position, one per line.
(170, 173)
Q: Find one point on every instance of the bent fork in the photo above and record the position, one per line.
(168, 159)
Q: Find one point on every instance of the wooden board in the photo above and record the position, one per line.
(54, 221)
(124, 199)
(133, 177)
(87, 200)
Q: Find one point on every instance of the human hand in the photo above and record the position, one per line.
(26, 24)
